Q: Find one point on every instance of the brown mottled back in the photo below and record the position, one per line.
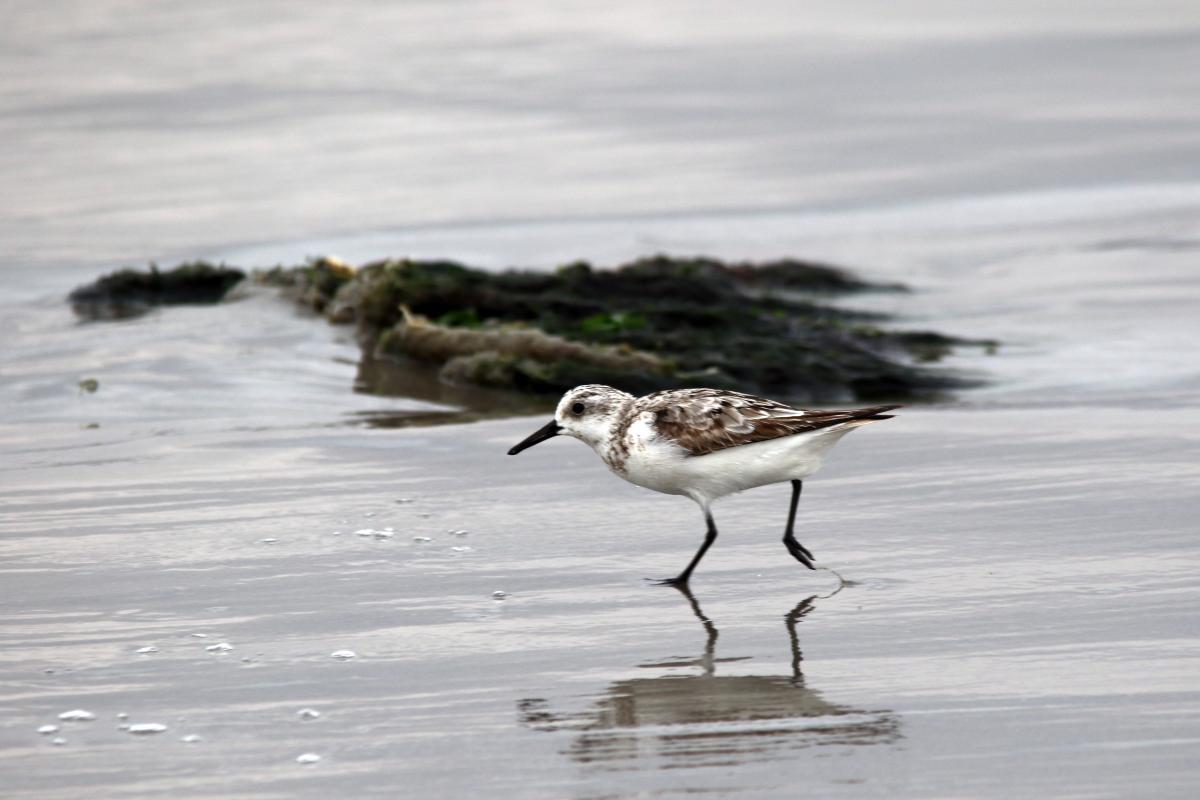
(704, 421)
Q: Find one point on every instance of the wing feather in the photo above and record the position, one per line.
(704, 421)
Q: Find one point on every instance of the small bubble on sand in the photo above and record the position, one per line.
(58, 740)
(403, 500)
(122, 715)
(343, 655)
(307, 758)
(499, 595)
(147, 649)
(308, 713)
(385, 533)
(369, 514)
(219, 647)
(462, 549)
(77, 715)
(46, 730)
(268, 540)
(461, 533)
(191, 738)
(422, 539)
(146, 728)
(200, 635)
(337, 533)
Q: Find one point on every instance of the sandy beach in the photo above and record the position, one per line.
(189, 544)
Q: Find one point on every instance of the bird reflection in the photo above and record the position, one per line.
(708, 719)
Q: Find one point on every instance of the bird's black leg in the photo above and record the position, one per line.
(798, 550)
(709, 537)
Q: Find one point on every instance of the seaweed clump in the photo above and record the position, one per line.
(130, 293)
(315, 284)
(521, 358)
(658, 322)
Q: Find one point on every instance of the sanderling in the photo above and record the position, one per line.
(703, 444)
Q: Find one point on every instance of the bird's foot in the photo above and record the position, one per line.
(800, 553)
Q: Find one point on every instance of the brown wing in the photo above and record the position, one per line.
(704, 421)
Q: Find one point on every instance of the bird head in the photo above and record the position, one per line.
(588, 413)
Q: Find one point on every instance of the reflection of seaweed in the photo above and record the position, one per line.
(711, 720)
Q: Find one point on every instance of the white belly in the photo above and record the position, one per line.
(705, 478)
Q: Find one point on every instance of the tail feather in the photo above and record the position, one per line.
(874, 412)
(865, 416)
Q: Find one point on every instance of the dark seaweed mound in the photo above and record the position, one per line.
(760, 328)
(130, 292)
(656, 323)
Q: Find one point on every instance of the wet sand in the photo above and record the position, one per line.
(1022, 621)
(1009, 634)
(1024, 556)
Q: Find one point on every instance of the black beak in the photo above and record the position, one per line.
(547, 431)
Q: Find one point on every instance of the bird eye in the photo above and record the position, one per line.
(577, 408)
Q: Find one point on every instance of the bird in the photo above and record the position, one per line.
(703, 444)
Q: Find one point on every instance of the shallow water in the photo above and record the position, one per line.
(1024, 558)
(170, 130)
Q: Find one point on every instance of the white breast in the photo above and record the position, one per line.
(650, 460)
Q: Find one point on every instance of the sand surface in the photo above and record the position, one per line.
(1023, 623)
(1023, 620)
